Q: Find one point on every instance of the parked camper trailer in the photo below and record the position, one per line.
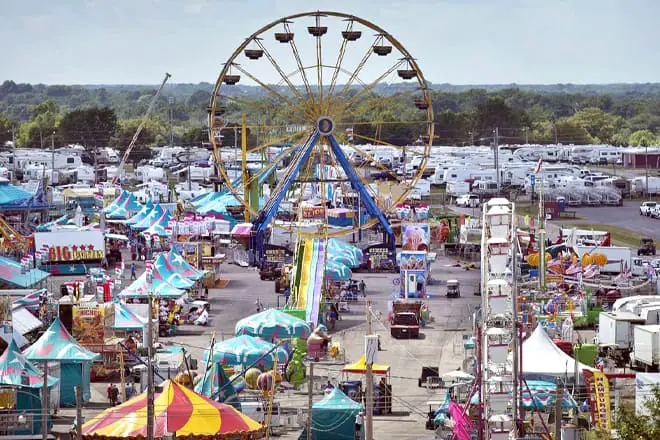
(646, 347)
(615, 335)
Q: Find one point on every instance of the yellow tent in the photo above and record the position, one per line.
(361, 367)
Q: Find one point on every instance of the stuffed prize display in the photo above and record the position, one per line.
(296, 372)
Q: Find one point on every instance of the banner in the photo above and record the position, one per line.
(602, 393)
(415, 236)
(316, 213)
(65, 246)
(88, 325)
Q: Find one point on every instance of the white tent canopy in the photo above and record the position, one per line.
(542, 359)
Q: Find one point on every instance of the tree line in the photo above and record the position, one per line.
(38, 115)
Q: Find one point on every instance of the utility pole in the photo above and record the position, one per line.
(646, 165)
(79, 422)
(170, 102)
(44, 404)
(52, 150)
(310, 395)
(369, 425)
(150, 371)
(496, 156)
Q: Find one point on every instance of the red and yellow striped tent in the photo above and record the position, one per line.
(177, 410)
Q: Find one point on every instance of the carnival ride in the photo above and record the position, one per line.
(313, 134)
(309, 278)
(499, 382)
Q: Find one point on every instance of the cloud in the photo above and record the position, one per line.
(194, 7)
(89, 4)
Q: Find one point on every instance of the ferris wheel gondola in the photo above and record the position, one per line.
(319, 131)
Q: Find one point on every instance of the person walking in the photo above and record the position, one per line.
(363, 289)
(133, 277)
(359, 420)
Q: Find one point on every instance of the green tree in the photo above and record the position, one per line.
(153, 134)
(6, 127)
(93, 127)
(642, 138)
(42, 126)
(495, 112)
(600, 125)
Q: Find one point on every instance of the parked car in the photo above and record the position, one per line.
(468, 201)
(655, 212)
(646, 208)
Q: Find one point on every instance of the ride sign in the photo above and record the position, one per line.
(65, 246)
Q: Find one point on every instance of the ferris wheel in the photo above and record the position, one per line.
(337, 105)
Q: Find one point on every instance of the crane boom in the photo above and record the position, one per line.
(139, 129)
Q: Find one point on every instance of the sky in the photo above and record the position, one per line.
(453, 41)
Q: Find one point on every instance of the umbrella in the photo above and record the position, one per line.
(247, 350)
(177, 409)
(271, 324)
(457, 376)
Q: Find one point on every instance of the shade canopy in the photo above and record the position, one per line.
(149, 219)
(181, 266)
(12, 274)
(56, 344)
(177, 410)
(125, 319)
(168, 273)
(539, 394)
(123, 195)
(273, 324)
(142, 213)
(334, 416)
(544, 360)
(247, 350)
(16, 370)
(141, 288)
(217, 385)
(360, 367)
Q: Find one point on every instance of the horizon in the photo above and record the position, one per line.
(170, 83)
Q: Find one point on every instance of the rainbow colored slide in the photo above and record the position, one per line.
(309, 278)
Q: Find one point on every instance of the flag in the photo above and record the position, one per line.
(538, 166)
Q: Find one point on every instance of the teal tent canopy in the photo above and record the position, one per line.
(333, 417)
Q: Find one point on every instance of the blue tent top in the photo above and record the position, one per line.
(56, 344)
(10, 194)
(11, 273)
(125, 319)
(137, 218)
(337, 400)
(45, 227)
(16, 370)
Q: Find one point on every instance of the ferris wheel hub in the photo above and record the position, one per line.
(325, 125)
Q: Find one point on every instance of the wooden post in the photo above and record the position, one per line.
(79, 421)
(310, 395)
(44, 404)
(558, 409)
(369, 425)
(150, 371)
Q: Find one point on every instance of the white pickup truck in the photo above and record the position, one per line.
(646, 208)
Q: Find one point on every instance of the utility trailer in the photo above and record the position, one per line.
(646, 347)
(615, 335)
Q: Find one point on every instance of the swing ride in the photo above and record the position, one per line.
(317, 137)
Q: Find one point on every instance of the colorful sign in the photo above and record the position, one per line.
(601, 385)
(413, 274)
(71, 246)
(375, 255)
(278, 254)
(313, 213)
(415, 236)
(88, 325)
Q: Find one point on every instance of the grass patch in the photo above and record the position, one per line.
(530, 210)
(620, 236)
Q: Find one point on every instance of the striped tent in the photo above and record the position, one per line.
(177, 410)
